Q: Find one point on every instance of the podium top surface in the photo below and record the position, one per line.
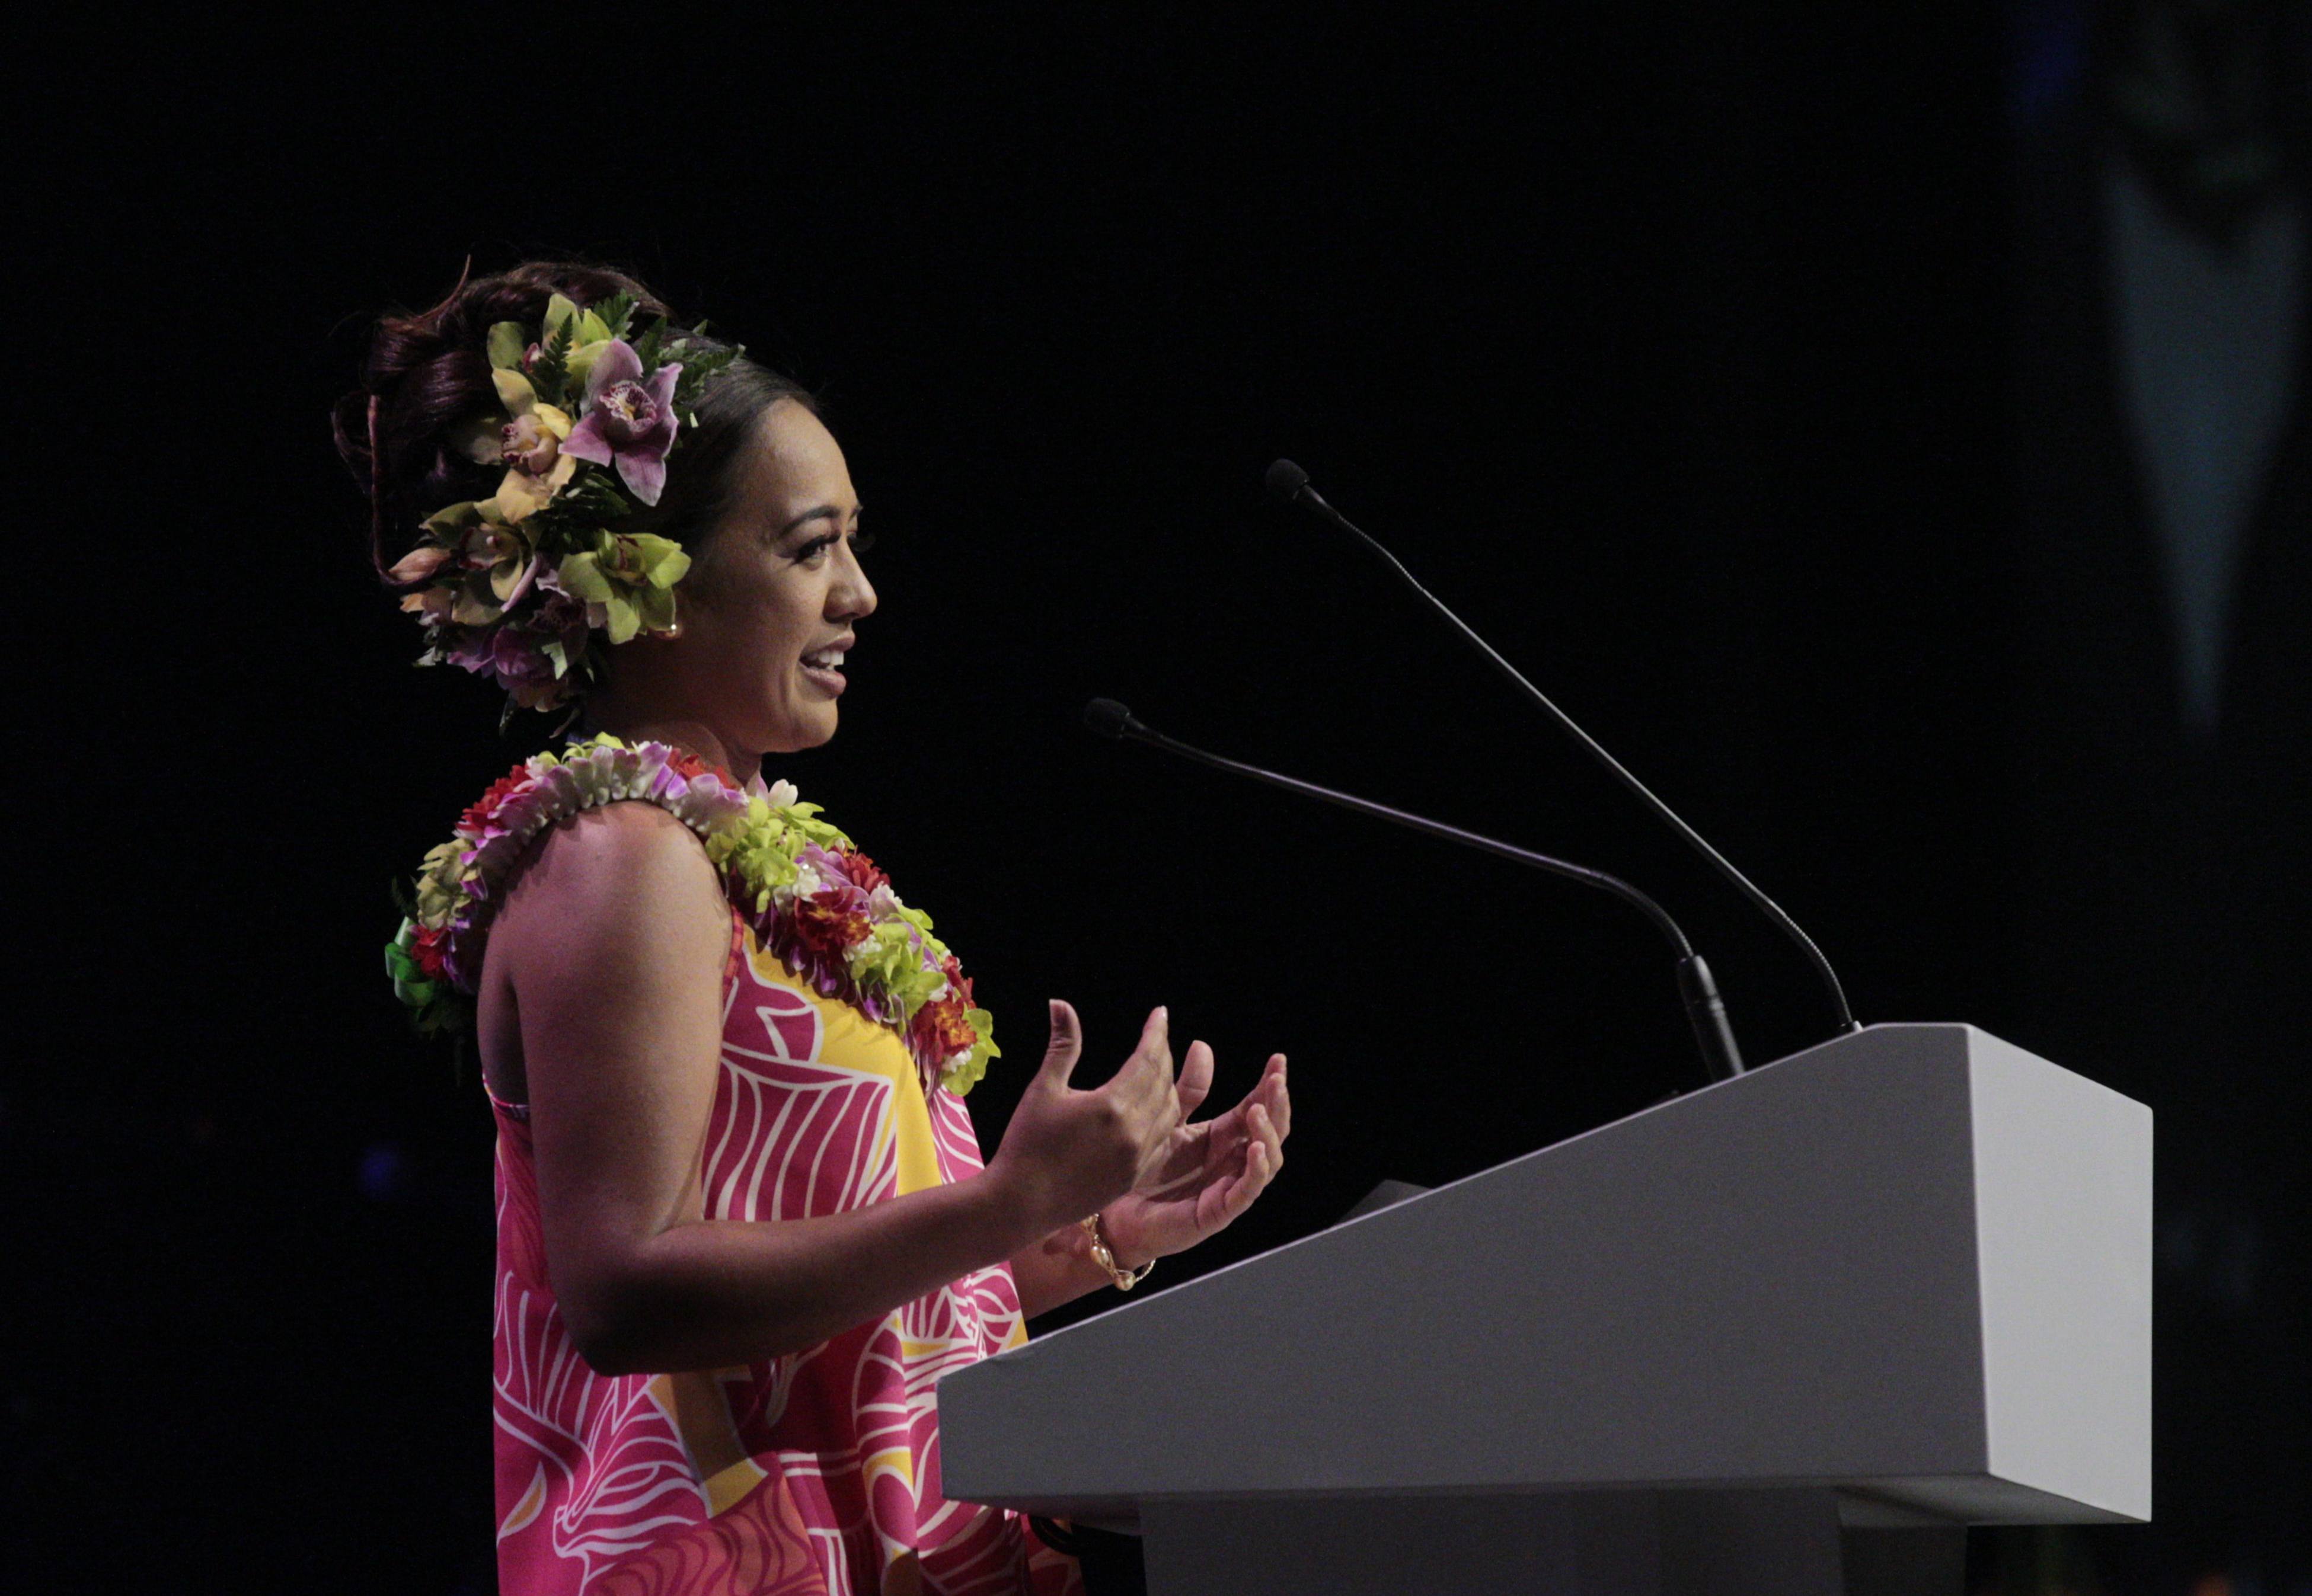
(1913, 1262)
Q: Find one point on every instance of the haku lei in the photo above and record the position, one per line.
(814, 901)
(519, 584)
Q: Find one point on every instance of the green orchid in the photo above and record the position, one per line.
(508, 557)
(509, 342)
(448, 523)
(803, 819)
(889, 959)
(507, 345)
(761, 856)
(500, 561)
(474, 605)
(961, 1077)
(589, 336)
(626, 583)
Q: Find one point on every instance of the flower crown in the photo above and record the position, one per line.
(517, 585)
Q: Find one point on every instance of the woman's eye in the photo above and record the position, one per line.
(861, 542)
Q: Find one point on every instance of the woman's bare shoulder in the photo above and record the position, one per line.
(616, 914)
(614, 860)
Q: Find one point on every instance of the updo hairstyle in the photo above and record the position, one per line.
(428, 372)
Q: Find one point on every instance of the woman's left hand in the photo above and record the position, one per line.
(1210, 1170)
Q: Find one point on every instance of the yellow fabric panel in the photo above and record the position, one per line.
(732, 1487)
(851, 1040)
(527, 1508)
(894, 1460)
(701, 1412)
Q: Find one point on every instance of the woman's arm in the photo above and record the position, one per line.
(1057, 1268)
(611, 949)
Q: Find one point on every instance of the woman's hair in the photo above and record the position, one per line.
(427, 375)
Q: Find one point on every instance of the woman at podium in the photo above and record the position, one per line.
(743, 1222)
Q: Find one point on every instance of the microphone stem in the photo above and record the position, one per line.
(1703, 1010)
(1516, 678)
(1604, 883)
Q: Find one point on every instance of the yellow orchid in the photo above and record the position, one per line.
(438, 882)
(520, 399)
(521, 495)
(528, 441)
(432, 605)
(524, 406)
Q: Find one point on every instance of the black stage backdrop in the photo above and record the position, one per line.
(1678, 344)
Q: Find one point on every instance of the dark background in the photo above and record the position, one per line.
(1740, 370)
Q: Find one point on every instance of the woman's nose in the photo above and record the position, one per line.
(853, 596)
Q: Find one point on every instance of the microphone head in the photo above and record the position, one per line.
(1108, 718)
(1285, 481)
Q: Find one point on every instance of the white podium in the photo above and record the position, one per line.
(1787, 1334)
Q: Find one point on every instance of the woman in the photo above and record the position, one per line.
(743, 1223)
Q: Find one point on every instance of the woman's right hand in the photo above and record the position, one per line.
(1068, 1153)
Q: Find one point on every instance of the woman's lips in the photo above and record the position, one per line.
(823, 669)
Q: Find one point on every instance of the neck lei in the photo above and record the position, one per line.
(813, 900)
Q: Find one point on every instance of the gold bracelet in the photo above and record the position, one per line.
(1104, 1255)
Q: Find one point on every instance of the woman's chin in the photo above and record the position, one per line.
(793, 733)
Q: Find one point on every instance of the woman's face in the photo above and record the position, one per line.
(769, 614)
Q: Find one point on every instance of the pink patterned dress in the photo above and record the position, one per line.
(815, 1472)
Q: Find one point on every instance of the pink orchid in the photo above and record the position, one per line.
(627, 422)
(510, 654)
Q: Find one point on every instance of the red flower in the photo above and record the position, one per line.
(860, 870)
(941, 1029)
(683, 763)
(428, 947)
(830, 921)
(475, 819)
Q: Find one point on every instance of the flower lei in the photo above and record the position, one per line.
(515, 586)
(814, 901)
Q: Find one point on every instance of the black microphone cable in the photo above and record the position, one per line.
(1289, 484)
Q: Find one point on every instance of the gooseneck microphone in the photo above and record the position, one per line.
(1288, 483)
(1704, 1010)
